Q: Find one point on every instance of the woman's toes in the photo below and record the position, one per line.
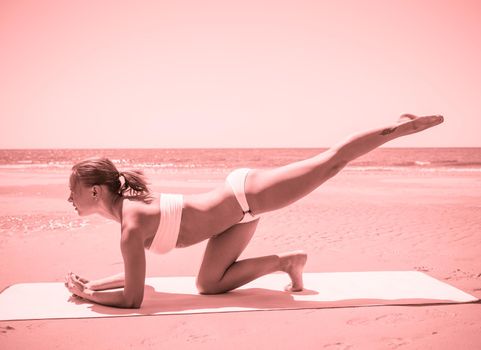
(429, 121)
(438, 119)
(409, 123)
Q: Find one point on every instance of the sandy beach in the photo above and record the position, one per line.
(357, 221)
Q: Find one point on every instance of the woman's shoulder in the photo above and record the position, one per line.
(135, 212)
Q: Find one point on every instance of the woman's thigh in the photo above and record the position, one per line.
(223, 250)
(272, 189)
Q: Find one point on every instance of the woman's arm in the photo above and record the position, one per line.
(131, 296)
(111, 282)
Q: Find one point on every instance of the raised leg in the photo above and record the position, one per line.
(274, 188)
(271, 189)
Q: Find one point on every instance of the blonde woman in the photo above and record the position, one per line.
(227, 216)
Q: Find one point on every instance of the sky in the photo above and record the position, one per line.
(187, 74)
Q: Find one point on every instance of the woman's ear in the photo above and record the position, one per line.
(95, 192)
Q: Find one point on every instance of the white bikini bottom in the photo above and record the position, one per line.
(236, 179)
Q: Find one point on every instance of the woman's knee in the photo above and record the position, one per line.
(206, 287)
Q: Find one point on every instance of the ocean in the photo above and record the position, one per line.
(223, 159)
(34, 182)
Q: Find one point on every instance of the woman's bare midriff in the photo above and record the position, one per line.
(207, 214)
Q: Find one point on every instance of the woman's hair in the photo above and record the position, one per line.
(101, 171)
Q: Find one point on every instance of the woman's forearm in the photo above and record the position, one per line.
(122, 298)
(110, 298)
(111, 282)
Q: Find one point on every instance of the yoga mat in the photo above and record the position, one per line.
(178, 295)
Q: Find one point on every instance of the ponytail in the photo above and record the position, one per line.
(101, 171)
(133, 183)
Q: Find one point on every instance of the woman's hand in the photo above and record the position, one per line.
(76, 285)
(79, 287)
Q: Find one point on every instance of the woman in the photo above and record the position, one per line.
(227, 216)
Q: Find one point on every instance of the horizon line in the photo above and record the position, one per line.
(189, 148)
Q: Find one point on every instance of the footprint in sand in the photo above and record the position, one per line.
(433, 313)
(6, 329)
(337, 346)
(421, 268)
(394, 343)
(358, 321)
(393, 318)
(459, 274)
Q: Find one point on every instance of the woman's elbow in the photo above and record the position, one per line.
(135, 305)
(134, 302)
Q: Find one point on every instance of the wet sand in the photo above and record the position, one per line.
(357, 221)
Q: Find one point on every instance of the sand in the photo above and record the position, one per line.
(357, 221)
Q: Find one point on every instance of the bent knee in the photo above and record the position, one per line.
(208, 287)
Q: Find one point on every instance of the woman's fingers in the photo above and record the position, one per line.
(79, 279)
(73, 277)
(73, 284)
(67, 279)
(79, 285)
(74, 288)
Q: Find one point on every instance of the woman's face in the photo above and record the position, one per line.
(81, 197)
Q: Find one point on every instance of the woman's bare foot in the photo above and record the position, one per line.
(293, 263)
(410, 124)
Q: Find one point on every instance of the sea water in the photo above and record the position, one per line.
(40, 167)
(212, 159)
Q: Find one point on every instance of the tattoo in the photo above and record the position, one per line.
(388, 131)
